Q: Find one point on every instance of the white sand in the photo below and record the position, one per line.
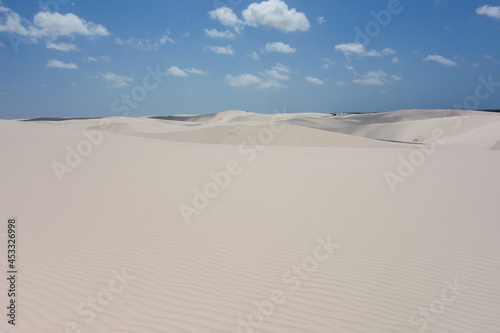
(419, 254)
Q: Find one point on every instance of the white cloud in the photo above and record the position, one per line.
(1, 44)
(320, 20)
(225, 50)
(388, 51)
(105, 59)
(62, 46)
(359, 50)
(117, 81)
(315, 81)
(395, 60)
(242, 80)
(376, 78)
(275, 74)
(271, 84)
(352, 69)
(327, 62)
(176, 71)
(440, 59)
(273, 77)
(490, 11)
(226, 17)
(281, 68)
(254, 55)
(279, 47)
(145, 44)
(341, 83)
(59, 64)
(47, 24)
(276, 14)
(214, 33)
(196, 71)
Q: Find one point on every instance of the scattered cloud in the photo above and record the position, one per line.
(176, 71)
(320, 20)
(273, 77)
(276, 73)
(242, 80)
(47, 24)
(487, 56)
(281, 68)
(441, 60)
(214, 33)
(116, 81)
(388, 51)
(196, 71)
(376, 78)
(327, 62)
(59, 64)
(61, 47)
(226, 17)
(315, 81)
(341, 83)
(396, 78)
(225, 50)
(145, 44)
(1, 44)
(276, 14)
(105, 59)
(395, 60)
(359, 50)
(351, 68)
(254, 55)
(490, 11)
(279, 47)
(271, 84)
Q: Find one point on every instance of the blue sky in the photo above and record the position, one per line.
(62, 58)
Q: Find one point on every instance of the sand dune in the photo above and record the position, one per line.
(243, 222)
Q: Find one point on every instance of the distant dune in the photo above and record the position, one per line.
(244, 222)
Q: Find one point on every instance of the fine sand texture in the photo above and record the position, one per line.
(241, 222)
